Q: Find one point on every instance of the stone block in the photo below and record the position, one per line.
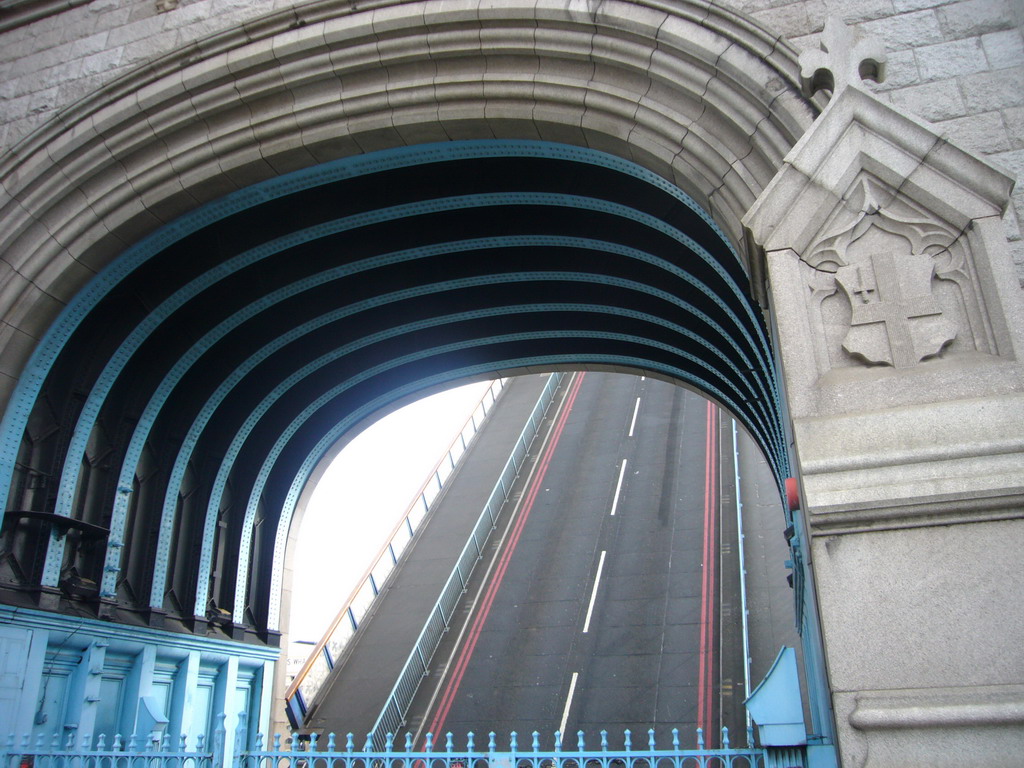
(864, 10)
(974, 17)
(102, 62)
(906, 6)
(793, 20)
(932, 101)
(1014, 121)
(142, 50)
(1013, 161)
(1017, 252)
(988, 91)
(983, 134)
(909, 30)
(900, 71)
(141, 29)
(448, 11)
(949, 60)
(957, 581)
(1004, 49)
(631, 17)
(87, 46)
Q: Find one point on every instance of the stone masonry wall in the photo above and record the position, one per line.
(956, 63)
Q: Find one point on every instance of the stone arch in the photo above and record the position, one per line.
(695, 97)
(695, 93)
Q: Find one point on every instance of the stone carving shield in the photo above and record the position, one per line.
(895, 318)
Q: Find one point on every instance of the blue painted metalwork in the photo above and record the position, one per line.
(776, 705)
(129, 750)
(327, 752)
(470, 753)
(281, 294)
(112, 370)
(45, 353)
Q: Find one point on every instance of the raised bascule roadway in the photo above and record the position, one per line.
(608, 596)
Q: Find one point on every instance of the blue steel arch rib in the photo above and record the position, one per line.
(114, 367)
(319, 450)
(743, 333)
(195, 352)
(32, 378)
(183, 456)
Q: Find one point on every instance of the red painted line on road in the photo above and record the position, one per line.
(705, 683)
(492, 589)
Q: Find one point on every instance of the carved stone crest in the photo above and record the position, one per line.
(895, 319)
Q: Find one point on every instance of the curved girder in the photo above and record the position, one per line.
(236, 339)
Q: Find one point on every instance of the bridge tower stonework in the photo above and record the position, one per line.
(877, 225)
(900, 328)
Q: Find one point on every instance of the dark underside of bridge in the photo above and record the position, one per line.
(211, 364)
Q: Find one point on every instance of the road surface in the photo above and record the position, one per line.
(600, 607)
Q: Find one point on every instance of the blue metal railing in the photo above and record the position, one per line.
(328, 752)
(329, 650)
(397, 704)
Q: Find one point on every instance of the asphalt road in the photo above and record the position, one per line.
(600, 606)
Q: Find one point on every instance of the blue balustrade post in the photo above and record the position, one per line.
(218, 741)
(349, 743)
(627, 741)
(700, 738)
(579, 740)
(469, 742)
(512, 745)
(429, 743)
(241, 735)
(650, 739)
(725, 737)
(604, 740)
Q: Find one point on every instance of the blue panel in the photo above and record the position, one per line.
(776, 705)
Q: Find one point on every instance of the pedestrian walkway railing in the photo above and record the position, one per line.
(393, 713)
(486, 752)
(329, 650)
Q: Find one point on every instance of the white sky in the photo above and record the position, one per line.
(361, 498)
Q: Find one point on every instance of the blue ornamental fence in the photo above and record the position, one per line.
(154, 751)
(328, 752)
